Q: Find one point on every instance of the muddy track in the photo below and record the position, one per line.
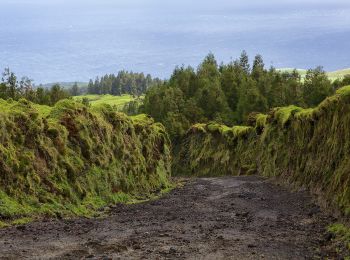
(216, 218)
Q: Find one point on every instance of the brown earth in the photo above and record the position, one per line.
(210, 218)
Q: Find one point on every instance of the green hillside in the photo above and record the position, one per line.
(98, 100)
(338, 74)
(332, 75)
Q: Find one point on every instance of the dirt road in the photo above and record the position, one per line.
(216, 218)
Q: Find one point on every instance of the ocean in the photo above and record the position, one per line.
(57, 40)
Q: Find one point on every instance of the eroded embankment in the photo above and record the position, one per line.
(310, 147)
(72, 159)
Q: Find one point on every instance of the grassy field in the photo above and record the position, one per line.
(332, 75)
(97, 100)
(338, 74)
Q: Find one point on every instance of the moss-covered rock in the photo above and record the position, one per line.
(310, 147)
(72, 159)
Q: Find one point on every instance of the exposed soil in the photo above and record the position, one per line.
(210, 218)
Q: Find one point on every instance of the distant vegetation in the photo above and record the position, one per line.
(229, 93)
(337, 75)
(123, 91)
(224, 93)
(123, 83)
(67, 85)
(128, 104)
(97, 100)
(12, 88)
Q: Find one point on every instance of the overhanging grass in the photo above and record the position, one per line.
(72, 160)
(310, 147)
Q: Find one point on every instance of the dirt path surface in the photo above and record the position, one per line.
(214, 218)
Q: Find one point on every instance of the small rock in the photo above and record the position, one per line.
(329, 236)
(315, 210)
(21, 227)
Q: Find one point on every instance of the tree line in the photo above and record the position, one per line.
(228, 93)
(123, 83)
(13, 88)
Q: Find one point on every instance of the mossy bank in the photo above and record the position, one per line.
(72, 160)
(309, 147)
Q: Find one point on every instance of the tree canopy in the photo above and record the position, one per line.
(228, 93)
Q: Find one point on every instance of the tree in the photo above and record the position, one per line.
(346, 80)
(97, 86)
(3, 91)
(338, 83)
(91, 87)
(74, 91)
(244, 62)
(124, 82)
(42, 96)
(229, 84)
(317, 87)
(258, 67)
(10, 80)
(250, 100)
(57, 93)
(184, 78)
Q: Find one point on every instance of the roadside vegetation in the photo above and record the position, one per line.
(306, 147)
(73, 160)
(290, 142)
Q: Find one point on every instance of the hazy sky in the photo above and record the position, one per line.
(61, 40)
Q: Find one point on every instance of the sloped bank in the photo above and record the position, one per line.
(310, 147)
(72, 159)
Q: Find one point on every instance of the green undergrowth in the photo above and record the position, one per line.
(341, 235)
(72, 160)
(308, 147)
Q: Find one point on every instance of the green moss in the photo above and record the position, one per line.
(341, 233)
(261, 120)
(310, 147)
(305, 114)
(3, 224)
(241, 131)
(198, 127)
(72, 160)
(284, 115)
(21, 221)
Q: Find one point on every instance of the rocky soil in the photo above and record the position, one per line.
(209, 218)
